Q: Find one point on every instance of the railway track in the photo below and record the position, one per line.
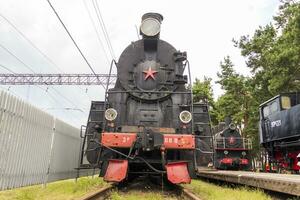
(188, 194)
(278, 183)
(100, 194)
(141, 189)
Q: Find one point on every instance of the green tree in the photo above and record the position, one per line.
(273, 55)
(202, 91)
(235, 101)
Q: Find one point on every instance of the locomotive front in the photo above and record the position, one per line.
(145, 125)
(232, 151)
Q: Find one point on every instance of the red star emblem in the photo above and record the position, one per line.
(231, 140)
(149, 73)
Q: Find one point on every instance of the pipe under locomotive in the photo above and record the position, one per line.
(146, 124)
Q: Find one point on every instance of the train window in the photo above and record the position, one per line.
(285, 102)
(266, 111)
(274, 107)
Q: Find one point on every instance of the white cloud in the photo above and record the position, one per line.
(202, 28)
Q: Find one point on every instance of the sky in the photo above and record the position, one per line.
(204, 29)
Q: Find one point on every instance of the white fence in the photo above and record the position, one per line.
(34, 146)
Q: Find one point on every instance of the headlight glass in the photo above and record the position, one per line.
(111, 114)
(244, 153)
(225, 152)
(150, 27)
(232, 126)
(185, 116)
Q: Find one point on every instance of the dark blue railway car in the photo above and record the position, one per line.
(280, 131)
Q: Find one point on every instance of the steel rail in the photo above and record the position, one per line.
(188, 194)
(102, 193)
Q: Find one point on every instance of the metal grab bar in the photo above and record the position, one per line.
(221, 142)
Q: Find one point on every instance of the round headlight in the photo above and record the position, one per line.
(232, 126)
(185, 116)
(150, 27)
(225, 152)
(111, 114)
(244, 153)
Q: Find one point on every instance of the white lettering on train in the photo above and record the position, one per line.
(125, 139)
(171, 140)
(276, 123)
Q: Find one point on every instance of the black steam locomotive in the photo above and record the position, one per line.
(280, 132)
(231, 150)
(148, 123)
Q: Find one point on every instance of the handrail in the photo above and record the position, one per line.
(221, 142)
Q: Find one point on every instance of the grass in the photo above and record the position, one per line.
(210, 191)
(69, 189)
(59, 190)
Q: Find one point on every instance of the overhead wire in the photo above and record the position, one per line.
(24, 64)
(103, 27)
(29, 68)
(64, 111)
(95, 29)
(13, 55)
(74, 42)
(49, 94)
(36, 48)
(44, 55)
(6, 68)
(107, 39)
(32, 44)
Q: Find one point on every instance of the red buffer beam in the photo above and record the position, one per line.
(57, 79)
